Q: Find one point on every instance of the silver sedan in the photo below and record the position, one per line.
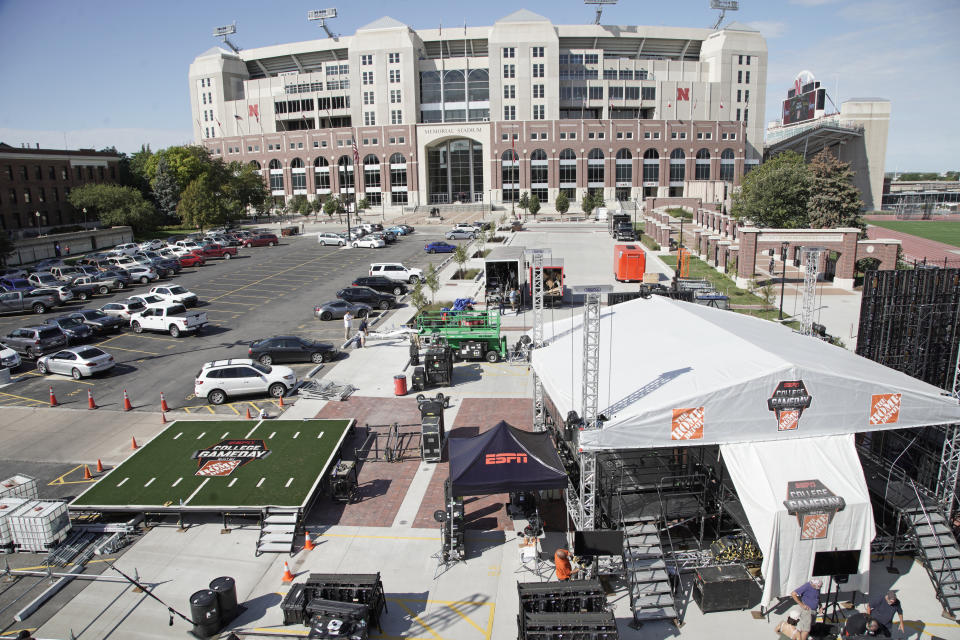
(460, 234)
(338, 308)
(77, 362)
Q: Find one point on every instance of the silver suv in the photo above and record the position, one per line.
(35, 341)
(217, 381)
(396, 271)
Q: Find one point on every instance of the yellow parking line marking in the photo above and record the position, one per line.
(13, 395)
(141, 336)
(461, 614)
(149, 353)
(244, 304)
(41, 567)
(273, 276)
(416, 618)
(210, 409)
(235, 410)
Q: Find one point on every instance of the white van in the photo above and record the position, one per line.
(600, 214)
(396, 271)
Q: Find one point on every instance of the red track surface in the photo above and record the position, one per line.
(919, 248)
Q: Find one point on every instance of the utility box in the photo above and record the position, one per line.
(431, 438)
(629, 263)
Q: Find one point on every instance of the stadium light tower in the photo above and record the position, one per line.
(322, 15)
(599, 4)
(223, 32)
(723, 6)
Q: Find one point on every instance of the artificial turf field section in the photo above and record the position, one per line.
(163, 473)
(936, 230)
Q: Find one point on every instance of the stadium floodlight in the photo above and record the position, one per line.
(723, 6)
(223, 32)
(599, 4)
(321, 16)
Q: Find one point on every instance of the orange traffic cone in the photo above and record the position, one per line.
(287, 576)
(163, 404)
(163, 418)
(99, 466)
(53, 398)
(86, 473)
(249, 417)
(281, 402)
(307, 542)
(126, 402)
(133, 443)
(90, 403)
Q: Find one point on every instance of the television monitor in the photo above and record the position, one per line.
(836, 563)
(598, 543)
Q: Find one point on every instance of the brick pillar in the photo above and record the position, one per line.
(722, 255)
(696, 241)
(846, 263)
(734, 252)
(711, 246)
(702, 249)
(886, 254)
(747, 256)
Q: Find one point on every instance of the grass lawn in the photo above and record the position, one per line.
(701, 270)
(937, 230)
(165, 472)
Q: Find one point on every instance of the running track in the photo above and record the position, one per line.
(914, 247)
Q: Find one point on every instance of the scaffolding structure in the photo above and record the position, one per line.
(811, 263)
(536, 286)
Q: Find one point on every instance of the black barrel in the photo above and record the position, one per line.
(226, 589)
(205, 613)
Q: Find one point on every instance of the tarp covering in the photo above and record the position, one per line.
(674, 373)
(502, 460)
(803, 496)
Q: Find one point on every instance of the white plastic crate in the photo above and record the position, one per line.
(7, 506)
(19, 487)
(37, 525)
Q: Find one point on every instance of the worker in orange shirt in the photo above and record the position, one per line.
(561, 559)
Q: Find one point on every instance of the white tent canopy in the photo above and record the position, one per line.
(803, 496)
(673, 374)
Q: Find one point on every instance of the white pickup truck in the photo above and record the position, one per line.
(171, 318)
(176, 294)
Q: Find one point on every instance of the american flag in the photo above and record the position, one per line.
(356, 154)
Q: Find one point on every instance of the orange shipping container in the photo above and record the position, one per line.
(629, 263)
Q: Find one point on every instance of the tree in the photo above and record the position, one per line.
(417, 297)
(481, 240)
(185, 163)
(316, 206)
(775, 193)
(524, 201)
(589, 203)
(201, 205)
(834, 201)
(139, 177)
(432, 280)
(299, 204)
(115, 205)
(331, 206)
(362, 204)
(534, 205)
(460, 257)
(165, 190)
(562, 203)
(244, 188)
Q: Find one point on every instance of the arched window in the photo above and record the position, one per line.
(298, 176)
(510, 175)
(256, 165)
(276, 178)
(321, 175)
(345, 174)
(726, 165)
(624, 167)
(702, 170)
(568, 173)
(651, 167)
(678, 168)
(539, 172)
(595, 169)
(398, 179)
(478, 85)
(431, 90)
(454, 86)
(371, 180)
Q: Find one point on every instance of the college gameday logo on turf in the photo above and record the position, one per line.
(885, 408)
(814, 505)
(687, 424)
(227, 456)
(788, 401)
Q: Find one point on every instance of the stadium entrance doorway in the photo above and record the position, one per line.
(455, 171)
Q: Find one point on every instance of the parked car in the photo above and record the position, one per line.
(75, 329)
(370, 242)
(163, 264)
(150, 300)
(43, 279)
(366, 295)
(13, 272)
(123, 309)
(143, 274)
(121, 276)
(171, 318)
(468, 226)
(261, 240)
(387, 236)
(9, 359)
(20, 301)
(439, 247)
(339, 308)
(152, 245)
(189, 245)
(98, 321)
(408, 228)
(176, 294)
(83, 290)
(214, 250)
(33, 342)
(328, 237)
(127, 248)
(396, 271)
(78, 362)
(124, 261)
(291, 349)
(382, 284)
(217, 381)
(65, 273)
(61, 292)
(399, 230)
(96, 284)
(16, 284)
(371, 227)
(461, 234)
(44, 265)
(484, 225)
(191, 260)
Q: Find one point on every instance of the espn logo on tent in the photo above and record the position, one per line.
(687, 424)
(885, 408)
(505, 458)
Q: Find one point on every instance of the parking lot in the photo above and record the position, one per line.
(265, 291)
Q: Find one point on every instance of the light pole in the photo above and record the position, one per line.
(84, 217)
(783, 276)
(38, 223)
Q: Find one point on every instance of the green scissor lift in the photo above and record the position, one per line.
(473, 335)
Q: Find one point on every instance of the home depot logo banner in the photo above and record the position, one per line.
(687, 424)
(885, 408)
(505, 458)
(227, 456)
(788, 401)
(814, 505)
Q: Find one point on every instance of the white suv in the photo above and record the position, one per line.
(396, 271)
(221, 379)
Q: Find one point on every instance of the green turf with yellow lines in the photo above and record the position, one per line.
(164, 472)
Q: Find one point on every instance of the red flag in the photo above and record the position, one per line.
(356, 154)
(254, 110)
(721, 104)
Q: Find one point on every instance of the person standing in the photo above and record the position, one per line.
(363, 331)
(808, 597)
(347, 321)
(56, 249)
(514, 294)
(882, 610)
(561, 560)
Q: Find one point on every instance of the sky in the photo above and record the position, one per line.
(112, 73)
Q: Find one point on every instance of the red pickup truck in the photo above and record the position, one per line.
(218, 251)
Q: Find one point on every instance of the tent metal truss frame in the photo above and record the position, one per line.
(811, 262)
(537, 335)
(950, 457)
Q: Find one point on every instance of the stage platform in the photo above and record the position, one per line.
(223, 466)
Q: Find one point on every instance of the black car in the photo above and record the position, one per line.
(382, 284)
(291, 349)
(375, 299)
(97, 320)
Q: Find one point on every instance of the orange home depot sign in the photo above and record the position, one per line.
(885, 408)
(687, 424)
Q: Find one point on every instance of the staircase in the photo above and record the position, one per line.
(278, 530)
(651, 595)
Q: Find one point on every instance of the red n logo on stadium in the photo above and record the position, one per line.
(253, 110)
(683, 94)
